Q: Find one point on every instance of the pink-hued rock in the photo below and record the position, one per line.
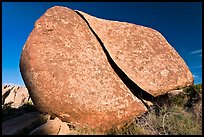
(68, 75)
(143, 54)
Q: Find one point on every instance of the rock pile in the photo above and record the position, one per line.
(89, 71)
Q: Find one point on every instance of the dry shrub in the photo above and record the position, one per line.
(182, 117)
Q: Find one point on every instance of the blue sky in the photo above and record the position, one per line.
(179, 23)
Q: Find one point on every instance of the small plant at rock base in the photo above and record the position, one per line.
(28, 107)
(131, 128)
(180, 99)
(10, 112)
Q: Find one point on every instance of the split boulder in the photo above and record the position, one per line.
(74, 65)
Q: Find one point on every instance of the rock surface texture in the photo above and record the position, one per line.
(143, 54)
(70, 74)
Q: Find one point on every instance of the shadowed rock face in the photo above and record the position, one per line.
(143, 54)
(68, 74)
(16, 125)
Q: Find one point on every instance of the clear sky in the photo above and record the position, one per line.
(179, 23)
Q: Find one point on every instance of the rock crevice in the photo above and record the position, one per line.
(133, 87)
(78, 84)
(143, 54)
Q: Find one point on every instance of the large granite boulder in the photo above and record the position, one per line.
(68, 74)
(143, 54)
(84, 69)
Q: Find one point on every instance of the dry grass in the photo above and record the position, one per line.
(182, 116)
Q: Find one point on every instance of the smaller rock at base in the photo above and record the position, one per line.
(64, 129)
(51, 127)
(175, 92)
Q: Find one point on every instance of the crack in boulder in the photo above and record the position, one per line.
(143, 54)
(81, 71)
(133, 87)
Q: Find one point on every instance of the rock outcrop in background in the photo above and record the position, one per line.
(14, 95)
(90, 72)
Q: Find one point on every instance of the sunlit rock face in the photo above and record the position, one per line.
(143, 54)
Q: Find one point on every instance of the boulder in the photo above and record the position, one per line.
(68, 74)
(143, 54)
(51, 127)
(64, 129)
(173, 93)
